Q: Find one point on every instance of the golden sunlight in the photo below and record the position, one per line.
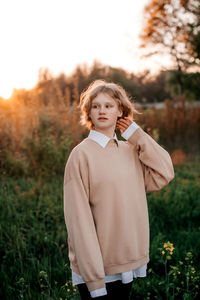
(81, 31)
(6, 92)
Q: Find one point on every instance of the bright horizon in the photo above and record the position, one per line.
(60, 34)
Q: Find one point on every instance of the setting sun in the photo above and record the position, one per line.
(6, 94)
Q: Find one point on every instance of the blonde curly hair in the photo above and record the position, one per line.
(114, 90)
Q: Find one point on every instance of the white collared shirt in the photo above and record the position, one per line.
(101, 138)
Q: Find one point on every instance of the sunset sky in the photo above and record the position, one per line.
(59, 34)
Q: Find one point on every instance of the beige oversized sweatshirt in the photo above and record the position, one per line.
(105, 204)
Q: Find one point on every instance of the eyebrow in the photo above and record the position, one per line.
(105, 102)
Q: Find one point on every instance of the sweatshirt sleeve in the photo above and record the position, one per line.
(156, 162)
(80, 223)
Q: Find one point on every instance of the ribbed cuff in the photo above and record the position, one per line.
(95, 285)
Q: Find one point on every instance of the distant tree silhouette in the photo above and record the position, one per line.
(173, 27)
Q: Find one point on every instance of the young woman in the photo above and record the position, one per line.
(105, 186)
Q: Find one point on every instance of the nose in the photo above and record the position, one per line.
(101, 110)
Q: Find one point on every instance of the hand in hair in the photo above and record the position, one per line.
(123, 124)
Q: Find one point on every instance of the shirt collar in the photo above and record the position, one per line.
(101, 138)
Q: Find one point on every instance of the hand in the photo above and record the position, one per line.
(123, 124)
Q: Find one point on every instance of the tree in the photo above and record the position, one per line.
(172, 27)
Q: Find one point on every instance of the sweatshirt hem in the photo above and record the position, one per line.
(131, 265)
(113, 269)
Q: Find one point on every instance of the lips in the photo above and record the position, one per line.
(102, 118)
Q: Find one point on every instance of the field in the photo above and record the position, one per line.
(34, 239)
(34, 256)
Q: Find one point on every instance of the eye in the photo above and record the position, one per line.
(107, 105)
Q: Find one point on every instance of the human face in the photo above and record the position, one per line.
(104, 106)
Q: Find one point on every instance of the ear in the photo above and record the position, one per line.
(120, 115)
(121, 112)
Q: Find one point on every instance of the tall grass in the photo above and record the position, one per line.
(37, 132)
(33, 244)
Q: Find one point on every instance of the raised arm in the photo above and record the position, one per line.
(156, 162)
(84, 249)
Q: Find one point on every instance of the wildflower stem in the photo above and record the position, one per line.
(167, 280)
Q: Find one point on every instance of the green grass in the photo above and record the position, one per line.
(33, 244)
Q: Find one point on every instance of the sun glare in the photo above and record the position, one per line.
(6, 93)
